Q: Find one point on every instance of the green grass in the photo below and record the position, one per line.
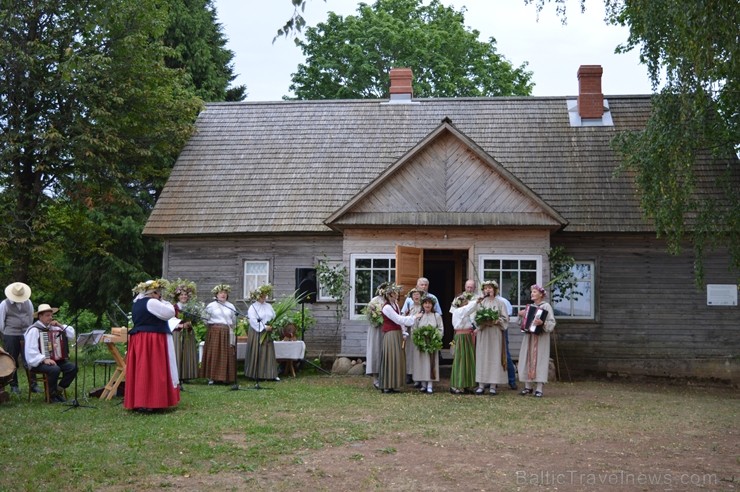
(215, 429)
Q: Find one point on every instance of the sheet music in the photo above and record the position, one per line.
(89, 338)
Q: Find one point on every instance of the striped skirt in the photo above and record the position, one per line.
(463, 365)
(392, 361)
(186, 350)
(218, 355)
(260, 365)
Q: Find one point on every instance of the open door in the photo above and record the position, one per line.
(409, 267)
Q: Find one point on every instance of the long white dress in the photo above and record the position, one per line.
(541, 345)
(490, 354)
(425, 362)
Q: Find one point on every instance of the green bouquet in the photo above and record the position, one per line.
(486, 316)
(427, 339)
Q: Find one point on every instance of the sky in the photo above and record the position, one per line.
(552, 50)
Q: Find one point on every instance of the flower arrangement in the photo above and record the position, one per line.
(262, 290)
(486, 316)
(193, 311)
(460, 300)
(427, 339)
(181, 286)
(373, 313)
(221, 287)
(160, 284)
(282, 309)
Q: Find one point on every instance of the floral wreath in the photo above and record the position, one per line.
(160, 284)
(221, 287)
(389, 287)
(492, 283)
(181, 286)
(262, 290)
(428, 299)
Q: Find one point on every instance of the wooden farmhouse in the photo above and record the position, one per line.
(448, 189)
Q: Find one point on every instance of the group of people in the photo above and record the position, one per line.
(163, 348)
(481, 361)
(41, 345)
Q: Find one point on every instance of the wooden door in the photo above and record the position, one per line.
(409, 267)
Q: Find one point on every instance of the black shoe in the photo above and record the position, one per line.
(417, 385)
(455, 391)
(390, 390)
(35, 389)
(58, 398)
(479, 391)
(15, 389)
(513, 386)
(526, 391)
(409, 379)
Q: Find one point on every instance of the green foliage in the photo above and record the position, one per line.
(485, 315)
(685, 161)
(427, 339)
(563, 282)
(351, 58)
(334, 280)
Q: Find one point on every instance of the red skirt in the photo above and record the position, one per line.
(148, 378)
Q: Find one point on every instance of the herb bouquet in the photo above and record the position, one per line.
(373, 313)
(486, 317)
(428, 339)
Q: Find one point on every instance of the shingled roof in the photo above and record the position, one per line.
(286, 167)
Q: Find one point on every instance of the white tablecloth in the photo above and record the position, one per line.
(283, 350)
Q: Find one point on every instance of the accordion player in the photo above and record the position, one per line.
(532, 313)
(46, 350)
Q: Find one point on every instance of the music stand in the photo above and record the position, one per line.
(84, 339)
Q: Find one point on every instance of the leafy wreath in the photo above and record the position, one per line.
(427, 339)
(484, 315)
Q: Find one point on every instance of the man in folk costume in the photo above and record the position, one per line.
(16, 315)
(49, 363)
(534, 353)
(151, 368)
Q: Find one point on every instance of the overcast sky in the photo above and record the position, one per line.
(554, 51)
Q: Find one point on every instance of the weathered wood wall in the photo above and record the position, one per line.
(211, 261)
(651, 317)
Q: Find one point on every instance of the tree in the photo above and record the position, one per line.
(198, 47)
(92, 120)
(693, 134)
(351, 58)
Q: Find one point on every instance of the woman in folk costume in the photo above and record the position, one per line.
(490, 347)
(259, 362)
(151, 370)
(392, 357)
(218, 352)
(534, 354)
(462, 376)
(410, 309)
(183, 336)
(426, 365)
(374, 334)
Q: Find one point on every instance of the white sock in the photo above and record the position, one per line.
(539, 387)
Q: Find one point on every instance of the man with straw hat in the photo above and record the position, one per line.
(16, 314)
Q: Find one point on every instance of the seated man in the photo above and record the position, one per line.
(38, 362)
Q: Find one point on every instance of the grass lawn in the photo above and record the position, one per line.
(319, 432)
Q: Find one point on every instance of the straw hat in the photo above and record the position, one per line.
(45, 307)
(18, 292)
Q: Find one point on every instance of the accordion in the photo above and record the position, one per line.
(532, 313)
(54, 344)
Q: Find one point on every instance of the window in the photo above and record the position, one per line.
(514, 274)
(323, 294)
(367, 272)
(256, 274)
(582, 304)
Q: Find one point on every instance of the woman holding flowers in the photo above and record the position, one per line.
(392, 357)
(186, 343)
(492, 319)
(411, 307)
(462, 376)
(218, 351)
(151, 375)
(260, 362)
(534, 353)
(427, 336)
(374, 334)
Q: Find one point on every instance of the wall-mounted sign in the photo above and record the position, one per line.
(721, 295)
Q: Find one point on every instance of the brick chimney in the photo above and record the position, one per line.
(401, 89)
(590, 97)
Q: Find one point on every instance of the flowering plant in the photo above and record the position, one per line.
(193, 311)
(485, 315)
(160, 284)
(373, 313)
(427, 339)
(460, 300)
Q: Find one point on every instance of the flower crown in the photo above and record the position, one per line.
(389, 287)
(181, 286)
(465, 296)
(492, 283)
(160, 284)
(221, 287)
(262, 290)
(429, 299)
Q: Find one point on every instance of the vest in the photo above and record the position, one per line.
(389, 324)
(17, 320)
(144, 321)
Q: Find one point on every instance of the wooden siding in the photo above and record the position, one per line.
(651, 318)
(211, 261)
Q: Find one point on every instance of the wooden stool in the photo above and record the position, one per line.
(38, 377)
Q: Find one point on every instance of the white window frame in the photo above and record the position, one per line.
(261, 278)
(353, 258)
(322, 295)
(538, 272)
(592, 301)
